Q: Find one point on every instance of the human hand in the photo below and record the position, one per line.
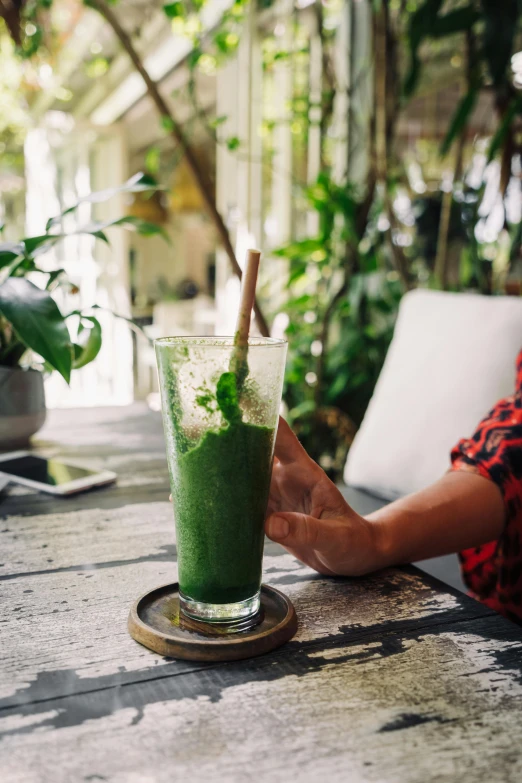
(308, 515)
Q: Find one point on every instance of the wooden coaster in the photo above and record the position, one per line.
(155, 621)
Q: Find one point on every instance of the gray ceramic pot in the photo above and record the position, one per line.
(22, 406)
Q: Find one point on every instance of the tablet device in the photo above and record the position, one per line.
(51, 475)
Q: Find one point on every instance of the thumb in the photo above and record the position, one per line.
(298, 531)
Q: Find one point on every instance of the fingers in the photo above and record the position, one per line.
(303, 532)
(287, 448)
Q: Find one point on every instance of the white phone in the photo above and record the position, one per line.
(51, 475)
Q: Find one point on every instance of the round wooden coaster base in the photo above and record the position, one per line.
(156, 622)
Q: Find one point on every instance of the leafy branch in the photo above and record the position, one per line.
(30, 318)
(171, 123)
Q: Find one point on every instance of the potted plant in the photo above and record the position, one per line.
(34, 331)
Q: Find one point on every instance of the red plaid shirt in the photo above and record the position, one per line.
(493, 572)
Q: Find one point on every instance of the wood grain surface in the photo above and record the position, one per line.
(390, 678)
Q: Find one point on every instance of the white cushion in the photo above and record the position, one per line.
(451, 358)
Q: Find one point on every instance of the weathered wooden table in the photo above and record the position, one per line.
(390, 678)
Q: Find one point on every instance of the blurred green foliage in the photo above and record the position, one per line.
(344, 281)
(342, 299)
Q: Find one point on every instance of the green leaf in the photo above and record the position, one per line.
(98, 234)
(18, 267)
(460, 119)
(131, 324)
(457, 21)
(217, 121)
(233, 143)
(282, 55)
(302, 303)
(136, 184)
(53, 277)
(338, 386)
(194, 57)
(143, 227)
(9, 251)
(297, 271)
(466, 267)
(34, 246)
(37, 321)
(31, 43)
(167, 124)
(300, 250)
(514, 108)
(226, 41)
(97, 67)
(89, 342)
(419, 28)
(500, 24)
(319, 194)
(153, 159)
(516, 242)
(304, 409)
(174, 10)
(34, 243)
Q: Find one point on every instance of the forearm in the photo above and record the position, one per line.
(460, 511)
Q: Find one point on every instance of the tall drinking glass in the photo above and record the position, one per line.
(220, 431)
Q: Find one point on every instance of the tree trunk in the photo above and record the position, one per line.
(10, 11)
(177, 133)
(386, 105)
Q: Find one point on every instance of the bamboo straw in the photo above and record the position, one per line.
(238, 361)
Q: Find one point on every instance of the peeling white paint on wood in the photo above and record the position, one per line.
(390, 678)
(341, 721)
(77, 620)
(85, 536)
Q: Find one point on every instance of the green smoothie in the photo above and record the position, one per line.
(220, 492)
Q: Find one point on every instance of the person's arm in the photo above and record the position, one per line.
(460, 511)
(309, 516)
